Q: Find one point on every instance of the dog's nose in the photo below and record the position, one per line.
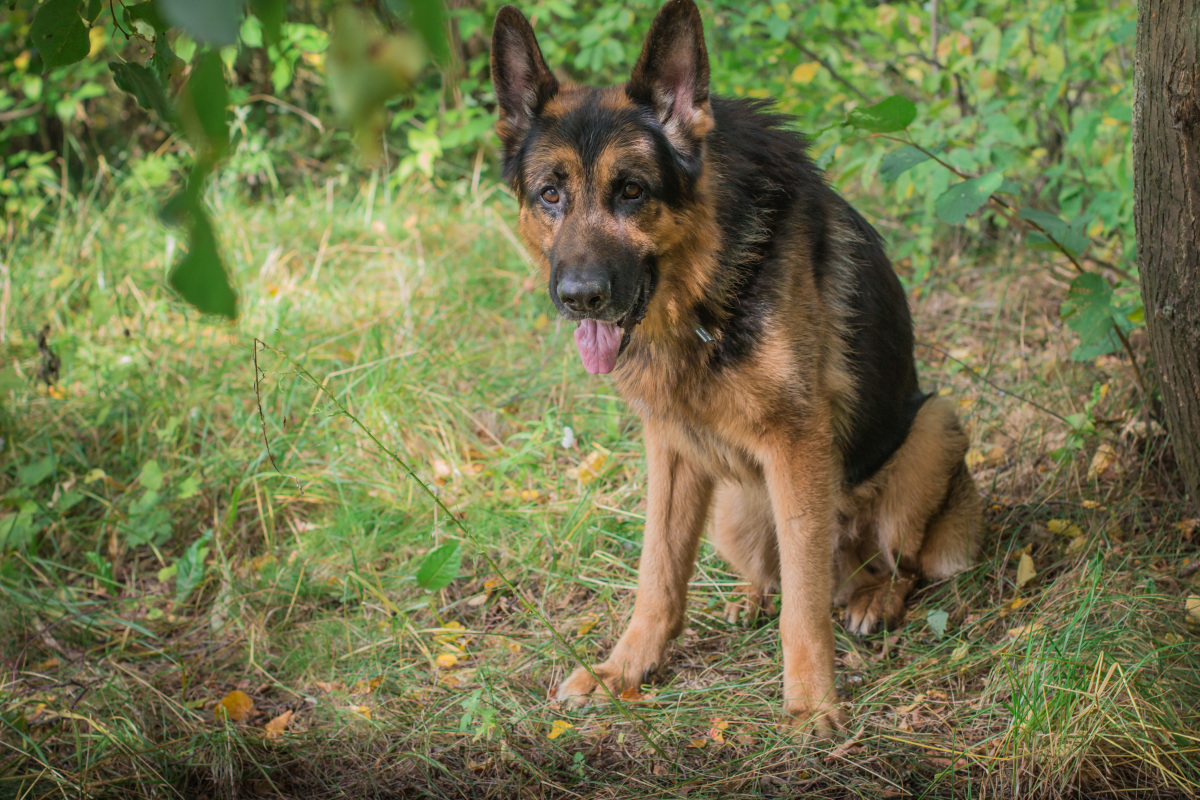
(583, 296)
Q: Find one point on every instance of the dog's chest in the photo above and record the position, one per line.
(708, 422)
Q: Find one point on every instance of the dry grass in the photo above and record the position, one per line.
(420, 316)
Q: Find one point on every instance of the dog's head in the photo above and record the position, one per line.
(602, 174)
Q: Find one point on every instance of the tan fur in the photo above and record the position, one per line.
(759, 435)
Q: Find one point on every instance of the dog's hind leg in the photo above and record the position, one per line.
(743, 532)
(925, 513)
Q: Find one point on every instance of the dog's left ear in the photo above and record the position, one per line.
(520, 76)
(671, 75)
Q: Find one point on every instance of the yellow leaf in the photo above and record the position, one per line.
(541, 322)
(326, 687)
(558, 728)
(446, 661)
(716, 731)
(1193, 607)
(362, 687)
(945, 45)
(886, 14)
(276, 727)
(804, 73)
(586, 626)
(1076, 543)
(530, 495)
(363, 710)
(1104, 458)
(697, 743)
(1025, 570)
(1024, 630)
(960, 652)
(993, 456)
(1063, 527)
(962, 43)
(590, 467)
(235, 706)
(1018, 603)
(1089, 504)
(911, 706)
(514, 647)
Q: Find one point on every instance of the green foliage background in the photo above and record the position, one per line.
(1004, 130)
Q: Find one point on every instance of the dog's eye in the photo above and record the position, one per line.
(631, 191)
(550, 195)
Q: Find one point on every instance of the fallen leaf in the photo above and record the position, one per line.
(911, 706)
(446, 660)
(590, 467)
(276, 727)
(363, 710)
(1186, 528)
(1024, 630)
(235, 706)
(1104, 458)
(1064, 527)
(697, 743)
(586, 626)
(716, 731)
(632, 694)
(48, 664)
(362, 686)
(1193, 607)
(441, 471)
(960, 652)
(1018, 603)
(558, 728)
(327, 688)
(1025, 570)
(992, 456)
(478, 600)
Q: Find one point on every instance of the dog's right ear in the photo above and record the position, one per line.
(520, 77)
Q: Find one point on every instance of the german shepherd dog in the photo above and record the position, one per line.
(752, 320)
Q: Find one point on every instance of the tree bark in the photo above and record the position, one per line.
(1166, 167)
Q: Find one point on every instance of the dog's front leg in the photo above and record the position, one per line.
(678, 498)
(799, 476)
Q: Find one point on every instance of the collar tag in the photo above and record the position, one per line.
(704, 335)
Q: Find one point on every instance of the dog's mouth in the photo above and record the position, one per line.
(601, 343)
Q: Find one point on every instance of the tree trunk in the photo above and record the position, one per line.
(1166, 167)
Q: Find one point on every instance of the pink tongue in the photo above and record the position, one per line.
(598, 343)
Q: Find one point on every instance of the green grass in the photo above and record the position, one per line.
(415, 308)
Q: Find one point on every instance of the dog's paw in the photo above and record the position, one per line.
(751, 604)
(826, 721)
(875, 606)
(583, 686)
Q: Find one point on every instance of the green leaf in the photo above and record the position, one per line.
(936, 620)
(214, 22)
(94, 8)
(151, 476)
(148, 13)
(897, 162)
(428, 19)
(202, 105)
(200, 277)
(191, 567)
(270, 13)
(1088, 310)
(35, 473)
(58, 34)
(143, 84)
(440, 567)
(1071, 236)
(894, 114)
(964, 198)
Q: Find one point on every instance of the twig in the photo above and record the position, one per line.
(300, 112)
(833, 72)
(623, 708)
(1009, 213)
(980, 377)
(262, 420)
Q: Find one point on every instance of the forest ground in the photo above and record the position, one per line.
(165, 563)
